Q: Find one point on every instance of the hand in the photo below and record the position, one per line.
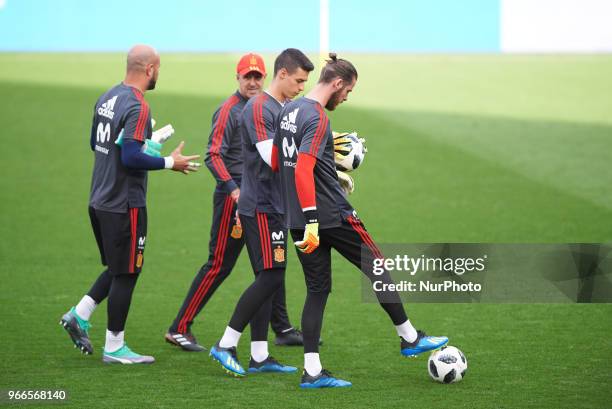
(235, 195)
(310, 242)
(346, 182)
(184, 163)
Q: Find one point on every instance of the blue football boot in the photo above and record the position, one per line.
(323, 380)
(423, 343)
(270, 365)
(228, 359)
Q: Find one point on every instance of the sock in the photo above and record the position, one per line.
(287, 330)
(85, 307)
(114, 341)
(406, 331)
(259, 350)
(312, 363)
(230, 338)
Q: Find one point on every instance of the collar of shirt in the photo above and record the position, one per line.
(281, 103)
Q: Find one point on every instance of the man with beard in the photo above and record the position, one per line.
(224, 160)
(321, 218)
(117, 203)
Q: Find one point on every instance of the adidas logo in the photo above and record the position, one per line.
(106, 109)
(288, 122)
(181, 339)
(230, 362)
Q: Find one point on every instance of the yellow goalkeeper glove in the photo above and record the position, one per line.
(310, 242)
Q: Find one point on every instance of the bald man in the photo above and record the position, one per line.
(117, 202)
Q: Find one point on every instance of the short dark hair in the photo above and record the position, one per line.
(291, 59)
(337, 68)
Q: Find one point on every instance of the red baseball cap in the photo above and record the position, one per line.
(251, 62)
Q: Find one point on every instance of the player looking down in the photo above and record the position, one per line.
(321, 218)
(224, 160)
(262, 217)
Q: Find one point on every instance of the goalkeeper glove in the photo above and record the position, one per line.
(310, 242)
(346, 182)
(162, 134)
(152, 147)
(149, 147)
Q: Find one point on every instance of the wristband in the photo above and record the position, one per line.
(311, 216)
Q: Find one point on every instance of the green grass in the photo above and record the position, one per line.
(462, 148)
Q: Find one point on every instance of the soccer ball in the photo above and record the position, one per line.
(447, 365)
(349, 151)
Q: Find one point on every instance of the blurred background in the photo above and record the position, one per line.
(490, 26)
(487, 121)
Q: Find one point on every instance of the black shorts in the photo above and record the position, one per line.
(350, 239)
(266, 240)
(121, 238)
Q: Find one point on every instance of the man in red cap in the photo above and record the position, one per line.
(224, 160)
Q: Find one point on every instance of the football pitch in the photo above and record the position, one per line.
(493, 149)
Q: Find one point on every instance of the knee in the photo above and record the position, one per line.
(273, 277)
(223, 273)
(124, 283)
(321, 285)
